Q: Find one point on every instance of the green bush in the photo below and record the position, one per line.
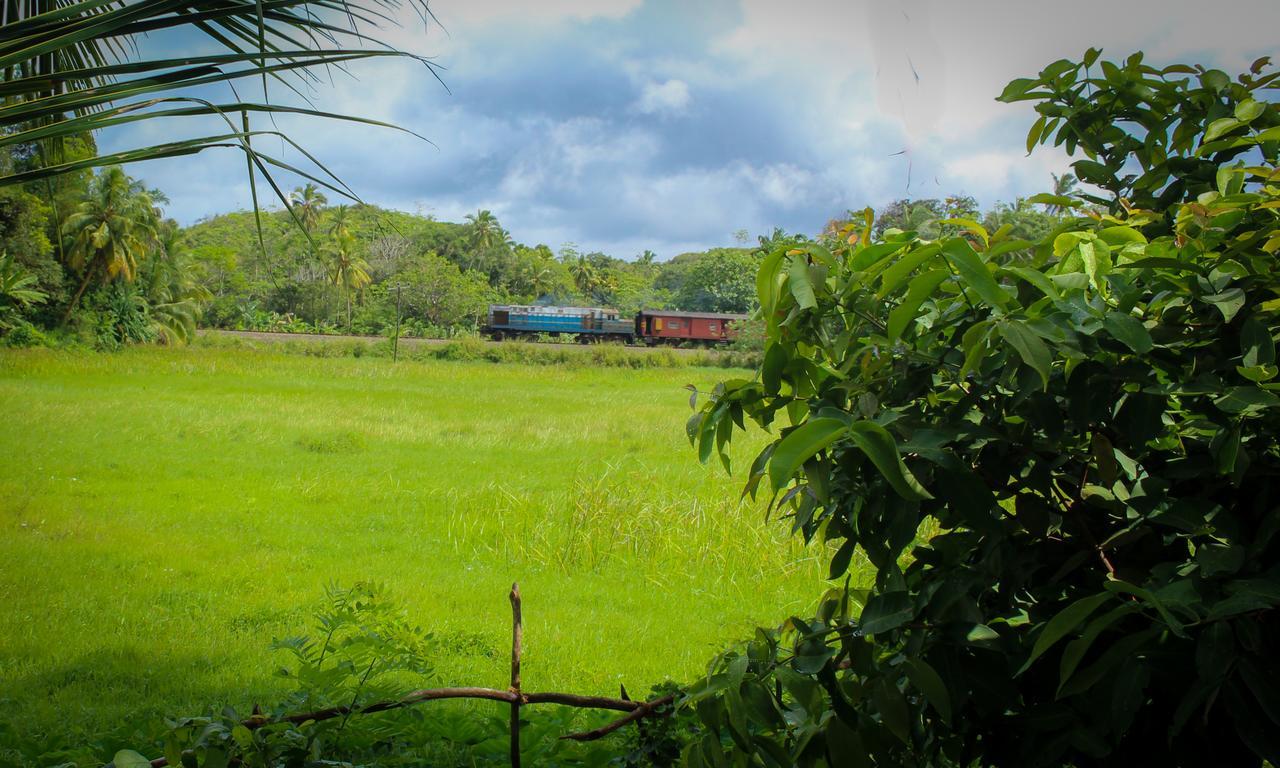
(24, 334)
(1060, 457)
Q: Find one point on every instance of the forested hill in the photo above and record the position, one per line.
(334, 266)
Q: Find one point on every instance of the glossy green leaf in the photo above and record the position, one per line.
(1063, 622)
(1030, 347)
(927, 680)
(800, 445)
(973, 272)
(921, 288)
(886, 611)
(879, 446)
(1129, 331)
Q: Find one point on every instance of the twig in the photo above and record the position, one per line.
(517, 640)
(641, 711)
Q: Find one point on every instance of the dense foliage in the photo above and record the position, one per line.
(1059, 456)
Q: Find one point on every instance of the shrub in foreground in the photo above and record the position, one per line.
(1089, 422)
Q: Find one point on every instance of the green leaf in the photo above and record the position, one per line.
(1119, 585)
(1249, 110)
(1129, 331)
(1036, 278)
(1220, 127)
(1256, 345)
(1120, 236)
(897, 272)
(892, 706)
(1044, 198)
(1075, 650)
(927, 680)
(800, 445)
(1033, 136)
(974, 273)
(801, 285)
(920, 289)
(879, 446)
(1063, 622)
(1228, 302)
(1246, 400)
(1030, 347)
(127, 758)
(840, 560)
(886, 611)
(1093, 172)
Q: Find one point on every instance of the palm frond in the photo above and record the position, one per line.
(71, 68)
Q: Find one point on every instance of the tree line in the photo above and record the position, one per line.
(92, 257)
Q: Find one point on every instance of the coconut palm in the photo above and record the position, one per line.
(346, 269)
(110, 231)
(175, 296)
(584, 274)
(17, 289)
(484, 231)
(307, 203)
(1063, 186)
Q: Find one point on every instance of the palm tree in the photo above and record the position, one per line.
(17, 289)
(485, 232)
(307, 203)
(584, 274)
(339, 225)
(175, 296)
(111, 231)
(347, 270)
(72, 68)
(1063, 186)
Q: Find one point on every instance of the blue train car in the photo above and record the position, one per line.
(586, 323)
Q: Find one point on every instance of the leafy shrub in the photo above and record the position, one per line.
(1078, 436)
(24, 334)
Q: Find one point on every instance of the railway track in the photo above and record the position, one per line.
(405, 341)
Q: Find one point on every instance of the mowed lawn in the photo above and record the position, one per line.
(165, 513)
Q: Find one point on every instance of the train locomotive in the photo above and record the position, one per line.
(648, 326)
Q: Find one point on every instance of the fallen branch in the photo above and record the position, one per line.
(643, 710)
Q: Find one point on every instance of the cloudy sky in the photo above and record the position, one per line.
(624, 125)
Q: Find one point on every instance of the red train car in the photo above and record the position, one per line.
(660, 325)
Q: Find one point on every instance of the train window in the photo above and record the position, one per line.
(711, 327)
(675, 325)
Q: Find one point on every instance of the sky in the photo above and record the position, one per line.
(631, 125)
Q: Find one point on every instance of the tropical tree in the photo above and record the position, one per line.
(584, 273)
(1063, 187)
(307, 202)
(484, 231)
(18, 290)
(347, 270)
(169, 283)
(110, 231)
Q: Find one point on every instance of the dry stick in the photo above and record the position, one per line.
(517, 639)
(641, 711)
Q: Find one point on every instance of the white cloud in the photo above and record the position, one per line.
(670, 97)
(460, 15)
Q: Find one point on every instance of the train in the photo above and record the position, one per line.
(586, 324)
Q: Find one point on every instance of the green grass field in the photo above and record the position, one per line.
(165, 513)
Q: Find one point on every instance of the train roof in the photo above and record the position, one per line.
(693, 315)
(551, 309)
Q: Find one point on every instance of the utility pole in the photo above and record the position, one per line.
(395, 341)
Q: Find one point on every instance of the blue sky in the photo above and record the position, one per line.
(625, 125)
